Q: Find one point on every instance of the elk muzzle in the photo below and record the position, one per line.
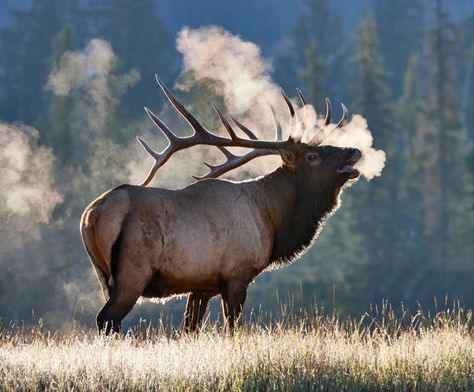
(347, 167)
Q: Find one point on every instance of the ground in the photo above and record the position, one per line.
(316, 352)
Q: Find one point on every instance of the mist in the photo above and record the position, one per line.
(89, 74)
(27, 185)
(29, 199)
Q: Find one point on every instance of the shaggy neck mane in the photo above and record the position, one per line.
(297, 212)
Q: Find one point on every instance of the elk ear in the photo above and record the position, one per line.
(289, 159)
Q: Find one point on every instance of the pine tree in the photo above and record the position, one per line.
(313, 74)
(26, 46)
(400, 26)
(411, 250)
(409, 126)
(376, 198)
(370, 89)
(446, 137)
(468, 102)
(318, 25)
(58, 132)
(317, 20)
(466, 67)
(140, 40)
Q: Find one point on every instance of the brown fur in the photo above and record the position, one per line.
(213, 237)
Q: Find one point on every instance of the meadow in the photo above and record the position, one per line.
(379, 351)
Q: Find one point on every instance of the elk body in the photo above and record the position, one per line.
(214, 236)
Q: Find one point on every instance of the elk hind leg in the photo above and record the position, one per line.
(130, 281)
(195, 310)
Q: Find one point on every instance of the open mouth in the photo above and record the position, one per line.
(348, 166)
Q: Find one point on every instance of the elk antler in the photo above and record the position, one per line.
(202, 136)
(233, 161)
(323, 132)
(292, 137)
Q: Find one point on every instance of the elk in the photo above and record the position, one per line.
(215, 236)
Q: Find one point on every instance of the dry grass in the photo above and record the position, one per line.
(313, 353)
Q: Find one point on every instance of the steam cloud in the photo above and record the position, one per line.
(27, 181)
(236, 70)
(88, 76)
(89, 73)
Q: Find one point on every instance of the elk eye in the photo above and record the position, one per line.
(313, 158)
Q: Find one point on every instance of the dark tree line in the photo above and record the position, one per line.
(406, 236)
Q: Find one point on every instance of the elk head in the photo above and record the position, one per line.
(311, 162)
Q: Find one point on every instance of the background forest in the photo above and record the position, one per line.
(66, 136)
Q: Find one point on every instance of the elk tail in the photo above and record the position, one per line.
(102, 266)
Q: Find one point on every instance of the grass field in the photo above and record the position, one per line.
(381, 352)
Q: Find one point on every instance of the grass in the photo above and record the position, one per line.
(319, 352)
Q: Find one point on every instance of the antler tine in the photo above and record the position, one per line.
(229, 128)
(200, 136)
(212, 168)
(225, 151)
(292, 137)
(160, 124)
(288, 102)
(244, 129)
(158, 162)
(175, 144)
(195, 124)
(302, 98)
(303, 121)
(233, 161)
(327, 119)
(224, 121)
(278, 129)
(237, 141)
(344, 118)
(316, 139)
(323, 132)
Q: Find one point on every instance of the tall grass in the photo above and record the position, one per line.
(379, 351)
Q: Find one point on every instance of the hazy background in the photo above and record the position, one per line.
(75, 75)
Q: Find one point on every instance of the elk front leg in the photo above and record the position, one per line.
(195, 309)
(233, 298)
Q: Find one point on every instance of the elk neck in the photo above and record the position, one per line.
(295, 210)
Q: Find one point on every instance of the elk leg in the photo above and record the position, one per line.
(128, 286)
(117, 307)
(233, 298)
(108, 319)
(195, 309)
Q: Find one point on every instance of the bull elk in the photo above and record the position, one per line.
(214, 236)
